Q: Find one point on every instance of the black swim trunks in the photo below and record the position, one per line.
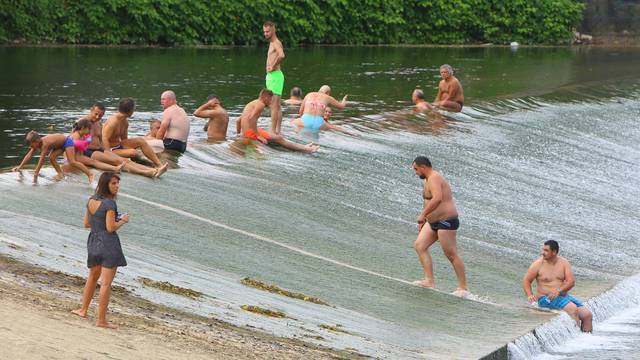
(176, 145)
(448, 224)
(90, 152)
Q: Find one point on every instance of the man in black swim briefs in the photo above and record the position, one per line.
(440, 212)
(450, 95)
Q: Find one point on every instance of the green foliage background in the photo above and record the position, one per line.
(239, 22)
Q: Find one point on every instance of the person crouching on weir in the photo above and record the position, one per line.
(554, 279)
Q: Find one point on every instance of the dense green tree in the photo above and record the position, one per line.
(238, 22)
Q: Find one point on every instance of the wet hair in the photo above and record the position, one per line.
(81, 124)
(269, 24)
(418, 93)
(553, 245)
(98, 105)
(126, 106)
(296, 91)
(213, 96)
(265, 92)
(32, 136)
(448, 67)
(102, 190)
(153, 122)
(422, 160)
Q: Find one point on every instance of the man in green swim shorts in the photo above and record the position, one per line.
(275, 77)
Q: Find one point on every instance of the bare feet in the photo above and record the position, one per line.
(161, 170)
(80, 313)
(311, 148)
(425, 284)
(462, 293)
(106, 325)
(119, 167)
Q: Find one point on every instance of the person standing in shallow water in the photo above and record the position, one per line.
(437, 221)
(103, 245)
(275, 78)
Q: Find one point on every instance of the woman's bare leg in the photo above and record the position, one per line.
(89, 289)
(105, 293)
(70, 153)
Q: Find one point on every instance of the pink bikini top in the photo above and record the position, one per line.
(82, 144)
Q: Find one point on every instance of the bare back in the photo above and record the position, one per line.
(447, 207)
(178, 123)
(218, 124)
(250, 115)
(315, 103)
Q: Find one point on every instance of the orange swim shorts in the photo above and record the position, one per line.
(250, 134)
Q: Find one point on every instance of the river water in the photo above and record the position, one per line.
(547, 147)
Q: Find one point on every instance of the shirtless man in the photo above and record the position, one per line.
(218, 123)
(175, 126)
(275, 77)
(554, 279)
(247, 125)
(437, 221)
(450, 95)
(417, 96)
(115, 136)
(95, 151)
(295, 97)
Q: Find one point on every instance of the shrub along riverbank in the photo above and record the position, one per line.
(239, 22)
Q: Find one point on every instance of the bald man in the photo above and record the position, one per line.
(175, 124)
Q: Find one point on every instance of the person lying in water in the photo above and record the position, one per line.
(247, 125)
(313, 107)
(52, 146)
(218, 123)
(554, 279)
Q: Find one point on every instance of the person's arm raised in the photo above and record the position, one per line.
(340, 105)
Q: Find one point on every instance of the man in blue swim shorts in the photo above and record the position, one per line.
(275, 78)
(554, 279)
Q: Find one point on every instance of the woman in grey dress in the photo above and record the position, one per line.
(103, 245)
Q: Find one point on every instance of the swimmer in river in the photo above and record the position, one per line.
(312, 109)
(218, 123)
(554, 279)
(417, 97)
(295, 97)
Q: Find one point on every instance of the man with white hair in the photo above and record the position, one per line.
(175, 124)
(450, 95)
(417, 96)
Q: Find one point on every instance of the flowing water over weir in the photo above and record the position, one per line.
(546, 147)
